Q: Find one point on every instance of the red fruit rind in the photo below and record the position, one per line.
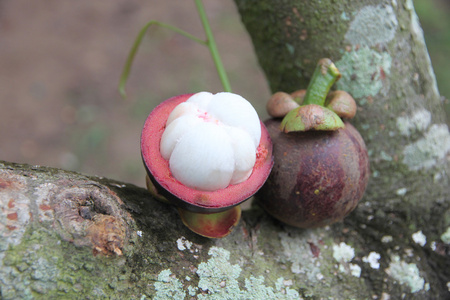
(190, 198)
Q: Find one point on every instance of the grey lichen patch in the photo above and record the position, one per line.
(373, 25)
(14, 217)
(372, 259)
(45, 213)
(344, 254)
(406, 273)
(168, 287)
(418, 121)
(15, 210)
(419, 238)
(429, 150)
(298, 252)
(255, 289)
(219, 279)
(218, 276)
(445, 237)
(363, 72)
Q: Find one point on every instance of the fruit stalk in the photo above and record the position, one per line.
(213, 47)
(324, 76)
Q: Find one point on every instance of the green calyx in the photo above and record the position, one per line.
(312, 114)
(311, 117)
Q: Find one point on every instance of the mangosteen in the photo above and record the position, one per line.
(206, 154)
(321, 167)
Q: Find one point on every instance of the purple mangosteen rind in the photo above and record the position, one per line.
(318, 177)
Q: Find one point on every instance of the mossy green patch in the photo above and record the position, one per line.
(44, 267)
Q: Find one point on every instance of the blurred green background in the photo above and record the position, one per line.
(434, 17)
(60, 63)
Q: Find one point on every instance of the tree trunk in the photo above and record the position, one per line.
(379, 48)
(67, 235)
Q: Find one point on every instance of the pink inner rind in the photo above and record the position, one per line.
(159, 171)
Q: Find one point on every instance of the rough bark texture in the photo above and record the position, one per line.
(68, 235)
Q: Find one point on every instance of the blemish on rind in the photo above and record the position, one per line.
(363, 72)
(406, 273)
(373, 25)
(417, 121)
(429, 150)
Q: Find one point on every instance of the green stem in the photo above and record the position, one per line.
(213, 47)
(137, 43)
(325, 75)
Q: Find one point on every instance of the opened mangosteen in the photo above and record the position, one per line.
(321, 167)
(206, 154)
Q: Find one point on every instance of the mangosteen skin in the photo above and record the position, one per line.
(318, 177)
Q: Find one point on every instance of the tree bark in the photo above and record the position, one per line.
(67, 235)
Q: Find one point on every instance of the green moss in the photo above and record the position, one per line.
(44, 267)
(291, 27)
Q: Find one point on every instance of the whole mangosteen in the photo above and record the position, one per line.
(321, 167)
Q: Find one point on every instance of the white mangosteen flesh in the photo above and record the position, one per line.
(211, 140)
